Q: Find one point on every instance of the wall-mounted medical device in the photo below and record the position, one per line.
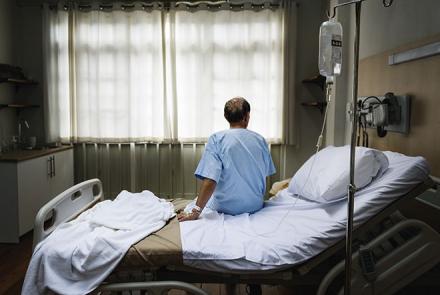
(385, 113)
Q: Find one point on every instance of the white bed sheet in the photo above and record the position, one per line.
(272, 239)
(80, 254)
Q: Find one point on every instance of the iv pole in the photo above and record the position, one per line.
(351, 186)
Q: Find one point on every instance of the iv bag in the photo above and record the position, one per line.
(330, 48)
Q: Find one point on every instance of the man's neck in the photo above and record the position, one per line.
(237, 126)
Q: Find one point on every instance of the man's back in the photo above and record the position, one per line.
(238, 160)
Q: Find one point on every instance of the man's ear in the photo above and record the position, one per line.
(247, 117)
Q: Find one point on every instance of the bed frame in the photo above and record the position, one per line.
(75, 200)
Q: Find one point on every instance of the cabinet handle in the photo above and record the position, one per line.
(49, 167)
(54, 170)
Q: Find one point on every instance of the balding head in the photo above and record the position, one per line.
(237, 110)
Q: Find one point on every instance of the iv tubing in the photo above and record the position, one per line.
(318, 146)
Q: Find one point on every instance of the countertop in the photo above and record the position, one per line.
(23, 155)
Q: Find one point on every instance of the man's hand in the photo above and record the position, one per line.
(187, 216)
(206, 190)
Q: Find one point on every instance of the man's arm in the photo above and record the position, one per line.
(206, 190)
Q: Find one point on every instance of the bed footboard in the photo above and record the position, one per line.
(65, 207)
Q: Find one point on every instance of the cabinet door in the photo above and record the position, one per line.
(62, 177)
(33, 190)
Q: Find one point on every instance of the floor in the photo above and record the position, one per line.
(14, 259)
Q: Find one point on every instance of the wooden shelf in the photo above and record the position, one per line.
(318, 80)
(18, 81)
(18, 106)
(316, 104)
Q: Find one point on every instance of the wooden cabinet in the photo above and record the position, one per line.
(27, 185)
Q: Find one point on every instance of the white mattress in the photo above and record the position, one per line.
(288, 231)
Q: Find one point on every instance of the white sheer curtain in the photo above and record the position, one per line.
(57, 87)
(119, 76)
(131, 76)
(219, 55)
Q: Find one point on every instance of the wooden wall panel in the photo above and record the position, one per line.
(421, 80)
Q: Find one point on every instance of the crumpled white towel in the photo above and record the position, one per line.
(80, 254)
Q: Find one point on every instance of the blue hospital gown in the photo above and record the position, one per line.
(238, 160)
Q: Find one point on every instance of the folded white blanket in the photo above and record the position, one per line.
(80, 254)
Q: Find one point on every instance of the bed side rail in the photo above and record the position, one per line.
(387, 211)
(155, 288)
(405, 262)
(436, 180)
(66, 206)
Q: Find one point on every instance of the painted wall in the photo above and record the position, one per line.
(21, 45)
(6, 17)
(308, 120)
(28, 43)
(405, 21)
(7, 116)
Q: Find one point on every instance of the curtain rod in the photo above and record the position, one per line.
(148, 5)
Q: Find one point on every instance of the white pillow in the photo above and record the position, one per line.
(328, 179)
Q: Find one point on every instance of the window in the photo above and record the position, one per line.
(161, 76)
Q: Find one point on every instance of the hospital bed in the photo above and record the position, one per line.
(403, 249)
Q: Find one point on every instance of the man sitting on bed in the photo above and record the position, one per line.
(234, 166)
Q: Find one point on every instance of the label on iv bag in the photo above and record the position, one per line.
(336, 41)
(337, 52)
(337, 47)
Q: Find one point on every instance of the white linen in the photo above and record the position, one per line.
(288, 231)
(324, 177)
(80, 254)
